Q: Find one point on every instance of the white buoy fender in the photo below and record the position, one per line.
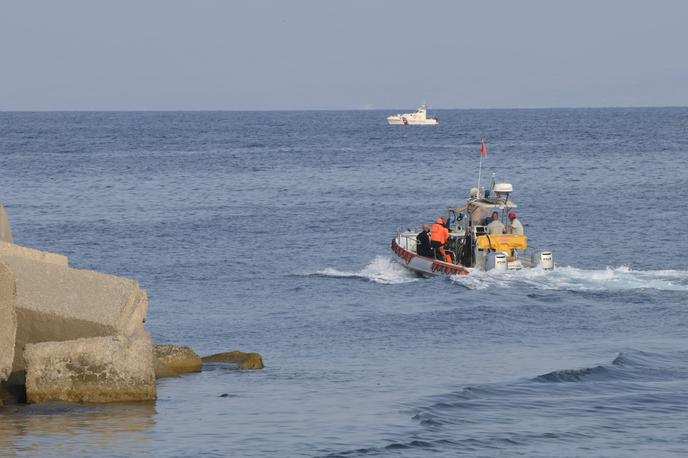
(501, 264)
(547, 260)
(497, 262)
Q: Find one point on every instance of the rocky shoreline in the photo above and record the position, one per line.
(74, 335)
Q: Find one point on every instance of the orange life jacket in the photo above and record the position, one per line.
(439, 233)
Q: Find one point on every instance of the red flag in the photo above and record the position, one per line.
(484, 150)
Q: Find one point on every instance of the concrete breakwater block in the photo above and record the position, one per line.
(243, 360)
(178, 358)
(8, 320)
(99, 369)
(5, 228)
(10, 249)
(57, 303)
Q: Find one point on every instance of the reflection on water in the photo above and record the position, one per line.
(61, 429)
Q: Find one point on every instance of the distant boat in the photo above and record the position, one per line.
(419, 118)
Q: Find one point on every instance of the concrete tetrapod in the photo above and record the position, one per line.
(56, 303)
(10, 249)
(99, 369)
(8, 320)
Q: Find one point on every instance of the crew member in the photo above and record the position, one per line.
(423, 247)
(472, 195)
(515, 228)
(496, 226)
(439, 235)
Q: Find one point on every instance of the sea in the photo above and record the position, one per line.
(270, 232)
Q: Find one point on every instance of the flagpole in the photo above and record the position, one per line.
(480, 167)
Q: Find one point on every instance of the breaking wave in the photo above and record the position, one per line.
(572, 279)
(382, 270)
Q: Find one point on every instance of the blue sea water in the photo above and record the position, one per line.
(270, 232)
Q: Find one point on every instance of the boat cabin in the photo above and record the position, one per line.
(469, 237)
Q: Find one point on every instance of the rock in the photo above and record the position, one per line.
(10, 249)
(243, 360)
(5, 228)
(162, 370)
(178, 358)
(56, 303)
(8, 320)
(99, 369)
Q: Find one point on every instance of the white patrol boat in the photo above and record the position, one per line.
(470, 245)
(419, 118)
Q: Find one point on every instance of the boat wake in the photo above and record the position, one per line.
(384, 270)
(381, 270)
(573, 279)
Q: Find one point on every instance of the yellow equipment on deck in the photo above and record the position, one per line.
(502, 242)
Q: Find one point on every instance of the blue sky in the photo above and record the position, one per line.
(259, 54)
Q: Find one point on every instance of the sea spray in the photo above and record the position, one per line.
(573, 279)
(381, 269)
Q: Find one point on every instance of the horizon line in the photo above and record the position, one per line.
(230, 110)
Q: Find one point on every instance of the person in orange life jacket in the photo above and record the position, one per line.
(423, 247)
(439, 235)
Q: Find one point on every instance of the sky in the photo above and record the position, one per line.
(353, 54)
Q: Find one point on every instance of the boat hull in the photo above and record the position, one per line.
(398, 121)
(425, 266)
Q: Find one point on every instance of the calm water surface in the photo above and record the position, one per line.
(270, 232)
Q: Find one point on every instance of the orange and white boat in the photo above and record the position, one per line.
(419, 118)
(470, 245)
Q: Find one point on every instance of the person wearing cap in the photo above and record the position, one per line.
(515, 228)
(496, 226)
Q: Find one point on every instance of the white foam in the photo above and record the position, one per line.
(382, 270)
(570, 278)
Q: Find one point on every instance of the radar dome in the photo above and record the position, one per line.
(503, 188)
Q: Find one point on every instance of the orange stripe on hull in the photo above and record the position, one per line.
(437, 267)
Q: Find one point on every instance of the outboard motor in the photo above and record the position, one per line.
(497, 262)
(546, 260)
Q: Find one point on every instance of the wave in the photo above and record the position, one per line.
(576, 375)
(630, 366)
(382, 270)
(572, 279)
(627, 365)
(555, 409)
(624, 366)
(397, 447)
